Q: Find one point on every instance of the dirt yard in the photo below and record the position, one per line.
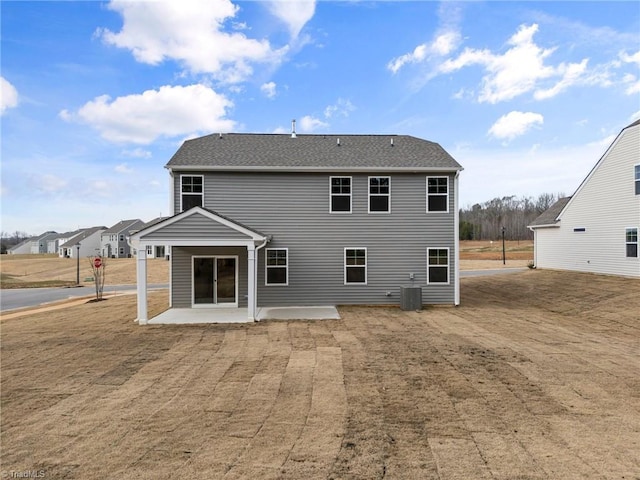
(535, 376)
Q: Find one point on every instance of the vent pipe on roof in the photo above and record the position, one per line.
(338, 142)
(392, 142)
(293, 128)
(220, 135)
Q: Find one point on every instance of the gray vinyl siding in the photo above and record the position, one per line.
(196, 226)
(181, 272)
(293, 208)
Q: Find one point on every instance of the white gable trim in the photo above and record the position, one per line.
(137, 239)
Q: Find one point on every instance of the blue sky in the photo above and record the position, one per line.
(97, 96)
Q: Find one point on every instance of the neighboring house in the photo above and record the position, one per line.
(89, 240)
(115, 241)
(40, 244)
(597, 229)
(307, 220)
(65, 244)
(154, 251)
(21, 248)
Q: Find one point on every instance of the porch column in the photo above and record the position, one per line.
(251, 281)
(141, 264)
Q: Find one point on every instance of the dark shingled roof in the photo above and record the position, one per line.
(311, 152)
(550, 215)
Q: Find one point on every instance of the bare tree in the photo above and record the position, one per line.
(485, 221)
(98, 267)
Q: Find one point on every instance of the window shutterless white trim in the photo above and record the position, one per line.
(340, 194)
(636, 178)
(437, 192)
(355, 254)
(438, 256)
(192, 193)
(380, 188)
(631, 238)
(267, 267)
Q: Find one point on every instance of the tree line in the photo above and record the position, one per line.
(484, 221)
(8, 240)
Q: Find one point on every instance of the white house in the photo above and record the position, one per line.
(89, 241)
(597, 229)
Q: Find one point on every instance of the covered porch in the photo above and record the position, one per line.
(213, 270)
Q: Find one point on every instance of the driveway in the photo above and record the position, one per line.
(534, 376)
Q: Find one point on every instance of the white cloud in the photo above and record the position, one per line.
(123, 168)
(518, 70)
(633, 58)
(341, 108)
(190, 32)
(269, 89)
(441, 45)
(49, 183)
(571, 73)
(169, 112)
(514, 124)
(309, 124)
(136, 153)
(8, 95)
(294, 13)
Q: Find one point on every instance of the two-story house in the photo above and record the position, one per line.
(266, 220)
(115, 240)
(597, 228)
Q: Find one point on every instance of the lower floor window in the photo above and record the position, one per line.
(632, 242)
(355, 265)
(437, 265)
(121, 250)
(277, 266)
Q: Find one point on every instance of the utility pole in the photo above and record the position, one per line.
(504, 257)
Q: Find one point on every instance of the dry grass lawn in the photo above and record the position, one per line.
(535, 376)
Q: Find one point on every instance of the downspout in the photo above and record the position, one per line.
(255, 272)
(456, 230)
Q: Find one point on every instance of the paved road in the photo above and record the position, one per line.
(30, 297)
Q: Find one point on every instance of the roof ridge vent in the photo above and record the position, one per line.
(293, 128)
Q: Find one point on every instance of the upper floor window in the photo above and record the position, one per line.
(340, 194)
(636, 171)
(277, 266)
(379, 194)
(355, 265)
(191, 191)
(437, 265)
(437, 194)
(121, 237)
(632, 242)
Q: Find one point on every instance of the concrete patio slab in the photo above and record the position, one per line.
(184, 316)
(298, 313)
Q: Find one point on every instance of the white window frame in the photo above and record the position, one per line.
(121, 239)
(636, 243)
(366, 268)
(331, 194)
(149, 250)
(267, 266)
(636, 178)
(437, 194)
(190, 193)
(448, 265)
(388, 195)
